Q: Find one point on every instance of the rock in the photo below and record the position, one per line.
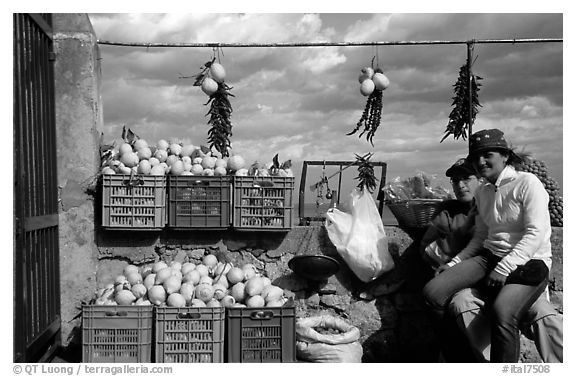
(364, 316)
(313, 300)
(234, 245)
(257, 252)
(180, 256)
(196, 254)
(340, 303)
(528, 351)
(275, 253)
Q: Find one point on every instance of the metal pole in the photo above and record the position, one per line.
(326, 44)
(470, 48)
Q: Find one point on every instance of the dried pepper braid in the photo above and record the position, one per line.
(371, 117)
(220, 110)
(366, 178)
(458, 119)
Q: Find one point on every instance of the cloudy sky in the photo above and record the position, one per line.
(301, 102)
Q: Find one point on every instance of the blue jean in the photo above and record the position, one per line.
(510, 302)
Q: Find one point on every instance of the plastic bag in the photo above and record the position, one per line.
(360, 237)
(420, 186)
(327, 348)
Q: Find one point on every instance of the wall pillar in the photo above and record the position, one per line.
(79, 123)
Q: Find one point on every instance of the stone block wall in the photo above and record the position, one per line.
(389, 311)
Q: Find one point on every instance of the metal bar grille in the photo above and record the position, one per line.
(36, 254)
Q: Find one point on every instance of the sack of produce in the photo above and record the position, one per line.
(327, 339)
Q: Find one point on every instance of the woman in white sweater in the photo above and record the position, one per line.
(510, 254)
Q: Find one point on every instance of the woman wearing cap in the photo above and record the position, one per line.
(510, 250)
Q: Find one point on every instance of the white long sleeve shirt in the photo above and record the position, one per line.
(513, 221)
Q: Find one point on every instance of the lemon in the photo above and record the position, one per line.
(139, 290)
(227, 301)
(175, 300)
(129, 159)
(381, 82)
(217, 72)
(210, 261)
(238, 292)
(175, 149)
(236, 162)
(158, 266)
(157, 171)
(204, 292)
(365, 73)
(209, 86)
(187, 291)
(235, 275)
(367, 87)
(157, 294)
(255, 301)
(161, 155)
(163, 145)
(187, 267)
(124, 297)
(219, 171)
(144, 167)
(208, 162)
(172, 284)
(140, 144)
(125, 148)
(177, 168)
(254, 286)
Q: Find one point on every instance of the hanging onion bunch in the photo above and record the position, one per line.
(372, 83)
(459, 116)
(366, 178)
(211, 79)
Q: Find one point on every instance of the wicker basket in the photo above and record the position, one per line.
(414, 213)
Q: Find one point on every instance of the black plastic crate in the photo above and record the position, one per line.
(133, 201)
(263, 203)
(189, 335)
(261, 335)
(199, 201)
(116, 334)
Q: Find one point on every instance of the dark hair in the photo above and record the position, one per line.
(513, 159)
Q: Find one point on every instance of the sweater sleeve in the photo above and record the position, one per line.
(477, 241)
(534, 200)
(437, 228)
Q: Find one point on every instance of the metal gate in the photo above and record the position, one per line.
(36, 254)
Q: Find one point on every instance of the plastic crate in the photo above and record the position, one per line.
(116, 334)
(199, 201)
(133, 201)
(261, 335)
(263, 203)
(189, 335)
